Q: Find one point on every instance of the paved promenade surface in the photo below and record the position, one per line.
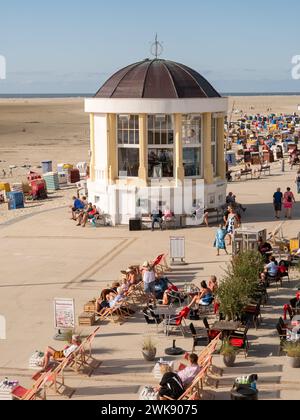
(47, 256)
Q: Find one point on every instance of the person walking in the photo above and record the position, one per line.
(220, 240)
(232, 223)
(288, 202)
(277, 200)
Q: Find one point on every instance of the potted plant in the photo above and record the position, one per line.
(149, 350)
(229, 354)
(292, 350)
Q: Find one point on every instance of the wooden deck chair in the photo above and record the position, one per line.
(160, 264)
(277, 238)
(89, 342)
(56, 381)
(137, 294)
(23, 394)
(114, 315)
(194, 390)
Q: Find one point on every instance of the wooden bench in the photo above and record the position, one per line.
(266, 170)
(246, 172)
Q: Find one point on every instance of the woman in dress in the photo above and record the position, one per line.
(220, 240)
(288, 203)
(232, 222)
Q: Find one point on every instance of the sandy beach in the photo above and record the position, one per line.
(34, 130)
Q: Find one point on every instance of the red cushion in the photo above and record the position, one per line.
(213, 334)
(20, 392)
(237, 342)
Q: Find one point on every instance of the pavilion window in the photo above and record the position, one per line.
(160, 146)
(214, 144)
(128, 145)
(192, 145)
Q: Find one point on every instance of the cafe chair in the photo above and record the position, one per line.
(200, 337)
(239, 341)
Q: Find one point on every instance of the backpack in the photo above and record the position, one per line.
(290, 199)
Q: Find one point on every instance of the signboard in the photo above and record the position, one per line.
(64, 314)
(177, 248)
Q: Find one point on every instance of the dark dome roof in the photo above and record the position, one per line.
(155, 79)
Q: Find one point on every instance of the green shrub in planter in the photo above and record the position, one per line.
(292, 350)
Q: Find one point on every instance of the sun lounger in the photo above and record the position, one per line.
(23, 394)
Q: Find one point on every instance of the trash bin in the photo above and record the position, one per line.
(135, 225)
(244, 393)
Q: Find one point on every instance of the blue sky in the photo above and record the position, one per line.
(74, 46)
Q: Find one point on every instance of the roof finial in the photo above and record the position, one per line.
(156, 48)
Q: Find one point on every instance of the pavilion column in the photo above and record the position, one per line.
(143, 169)
(112, 148)
(221, 165)
(207, 155)
(93, 149)
(179, 150)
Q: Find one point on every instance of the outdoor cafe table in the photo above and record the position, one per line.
(226, 327)
(165, 311)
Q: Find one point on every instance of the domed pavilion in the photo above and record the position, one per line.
(157, 131)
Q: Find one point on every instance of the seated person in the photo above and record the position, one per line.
(83, 215)
(231, 199)
(115, 286)
(204, 298)
(167, 215)
(265, 249)
(78, 206)
(172, 294)
(60, 355)
(102, 302)
(189, 374)
(213, 285)
(171, 386)
(283, 269)
(91, 214)
(133, 275)
(295, 303)
(156, 217)
(113, 299)
(272, 268)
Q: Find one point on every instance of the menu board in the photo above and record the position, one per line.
(64, 314)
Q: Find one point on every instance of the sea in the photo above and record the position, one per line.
(90, 95)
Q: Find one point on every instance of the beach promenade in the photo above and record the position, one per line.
(44, 256)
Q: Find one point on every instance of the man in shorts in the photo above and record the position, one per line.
(58, 355)
(278, 198)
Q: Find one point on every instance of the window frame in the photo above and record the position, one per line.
(168, 146)
(123, 145)
(195, 146)
(214, 143)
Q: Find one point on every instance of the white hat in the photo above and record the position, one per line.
(146, 264)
